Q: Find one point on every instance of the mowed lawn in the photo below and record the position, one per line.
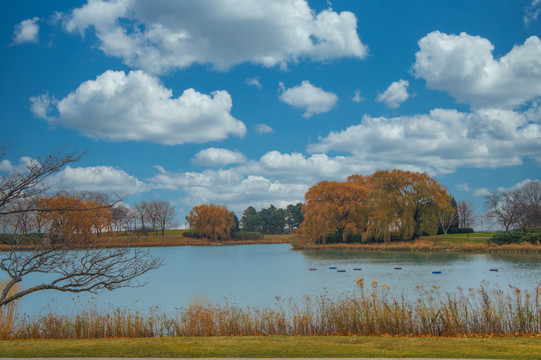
(472, 238)
(279, 346)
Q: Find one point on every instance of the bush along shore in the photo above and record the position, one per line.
(483, 312)
(528, 241)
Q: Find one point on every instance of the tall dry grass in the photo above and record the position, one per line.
(8, 314)
(374, 310)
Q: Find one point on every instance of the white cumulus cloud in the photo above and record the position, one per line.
(395, 94)
(308, 97)
(161, 35)
(26, 31)
(464, 66)
(441, 141)
(218, 157)
(98, 178)
(138, 107)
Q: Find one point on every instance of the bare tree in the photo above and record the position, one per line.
(530, 196)
(141, 209)
(465, 213)
(517, 208)
(502, 207)
(6, 222)
(447, 218)
(120, 213)
(165, 214)
(30, 183)
(90, 269)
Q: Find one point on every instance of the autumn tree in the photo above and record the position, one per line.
(332, 207)
(211, 221)
(404, 202)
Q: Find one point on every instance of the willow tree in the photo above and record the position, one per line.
(406, 203)
(335, 208)
(211, 221)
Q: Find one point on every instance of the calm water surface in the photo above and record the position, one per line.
(257, 274)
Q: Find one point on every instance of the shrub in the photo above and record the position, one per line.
(12, 239)
(532, 238)
(247, 235)
(189, 233)
(508, 237)
(460, 231)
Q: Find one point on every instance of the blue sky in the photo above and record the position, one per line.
(250, 102)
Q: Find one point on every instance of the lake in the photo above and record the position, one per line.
(258, 274)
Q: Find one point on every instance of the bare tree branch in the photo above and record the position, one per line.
(74, 264)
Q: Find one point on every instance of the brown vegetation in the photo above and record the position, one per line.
(211, 221)
(386, 204)
(486, 311)
(426, 244)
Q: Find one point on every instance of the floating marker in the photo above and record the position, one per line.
(332, 267)
(341, 270)
(312, 269)
(494, 269)
(436, 272)
(397, 268)
(357, 269)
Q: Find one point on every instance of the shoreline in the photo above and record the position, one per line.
(159, 241)
(425, 246)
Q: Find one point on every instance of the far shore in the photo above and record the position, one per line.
(472, 243)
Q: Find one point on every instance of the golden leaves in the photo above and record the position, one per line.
(211, 221)
(397, 202)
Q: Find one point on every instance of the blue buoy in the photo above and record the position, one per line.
(436, 272)
(332, 267)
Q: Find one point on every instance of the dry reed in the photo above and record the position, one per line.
(8, 314)
(374, 310)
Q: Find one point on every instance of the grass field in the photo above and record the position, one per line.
(279, 346)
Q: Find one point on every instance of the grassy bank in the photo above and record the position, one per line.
(475, 242)
(279, 346)
(170, 238)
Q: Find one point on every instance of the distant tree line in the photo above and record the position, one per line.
(272, 220)
(216, 222)
(81, 214)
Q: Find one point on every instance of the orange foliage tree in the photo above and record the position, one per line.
(69, 217)
(335, 208)
(399, 203)
(211, 221)
(406, 203)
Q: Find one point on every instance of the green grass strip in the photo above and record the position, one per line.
(279, 346)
